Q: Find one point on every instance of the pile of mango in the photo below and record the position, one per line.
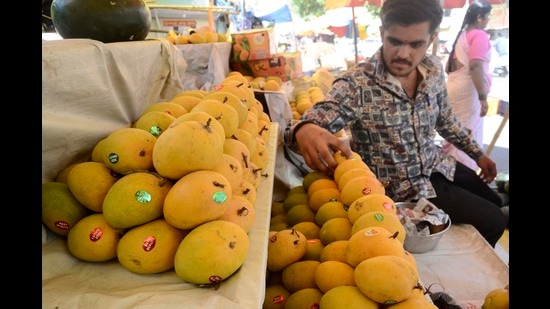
(177, 190)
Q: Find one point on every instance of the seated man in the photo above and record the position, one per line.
(394, 103)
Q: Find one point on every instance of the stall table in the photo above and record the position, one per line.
(89, 89)
(464, 265)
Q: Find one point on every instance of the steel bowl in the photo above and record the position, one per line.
(421, 244)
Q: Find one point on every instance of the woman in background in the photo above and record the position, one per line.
(469, 77)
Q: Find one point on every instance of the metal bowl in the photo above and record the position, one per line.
(421, 244)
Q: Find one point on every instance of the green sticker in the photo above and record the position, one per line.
(378, 217)
(155, 131)
(143, 196)
(219, 197)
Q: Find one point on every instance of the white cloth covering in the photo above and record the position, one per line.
(463, 265)
(208, 64)
(89, 89)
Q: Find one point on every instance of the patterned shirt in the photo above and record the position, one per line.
(393, 133)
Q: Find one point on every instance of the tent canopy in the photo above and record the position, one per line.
(274, 11)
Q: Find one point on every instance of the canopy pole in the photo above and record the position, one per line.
(210, 17)
(496, 135)
(354, 33)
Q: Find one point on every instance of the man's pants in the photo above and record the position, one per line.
(468, 199)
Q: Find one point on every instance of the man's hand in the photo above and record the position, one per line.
(488, 168)
(318, 145)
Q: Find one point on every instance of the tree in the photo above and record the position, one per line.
(308, 9)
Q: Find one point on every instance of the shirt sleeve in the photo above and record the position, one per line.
(479, 43)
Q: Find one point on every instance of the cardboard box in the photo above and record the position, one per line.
(287, 66)
(252, 44)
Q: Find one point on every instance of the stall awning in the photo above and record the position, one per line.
(274, 11)
(457, 4)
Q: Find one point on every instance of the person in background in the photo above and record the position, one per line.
(501, 44)
(393, 104)
(469, 76)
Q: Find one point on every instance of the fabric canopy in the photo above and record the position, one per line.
(377, 3)
(447, 4)
(342, 30)
(492, 1)
(334, 4)
(457, 4)
(275, 11)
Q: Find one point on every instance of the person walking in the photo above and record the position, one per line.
(393, 104)
(469, 78)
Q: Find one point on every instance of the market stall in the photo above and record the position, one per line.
(88, 90)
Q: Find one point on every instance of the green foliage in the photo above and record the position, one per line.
(373, 10)
(308, 9)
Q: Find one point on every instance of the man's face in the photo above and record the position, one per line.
(405, 46)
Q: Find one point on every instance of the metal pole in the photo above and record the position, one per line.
(354, 34)
(210, 17)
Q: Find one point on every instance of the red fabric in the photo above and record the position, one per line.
(491, 1)
(357, 3)
(377, 3)
(453, 4)
(339, 31)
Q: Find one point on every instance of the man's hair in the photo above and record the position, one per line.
(408, 12)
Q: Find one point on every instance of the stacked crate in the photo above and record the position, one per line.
(254, 53)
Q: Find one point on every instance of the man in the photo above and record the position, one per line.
(394, 103)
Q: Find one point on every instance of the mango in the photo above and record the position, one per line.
(211, 252)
